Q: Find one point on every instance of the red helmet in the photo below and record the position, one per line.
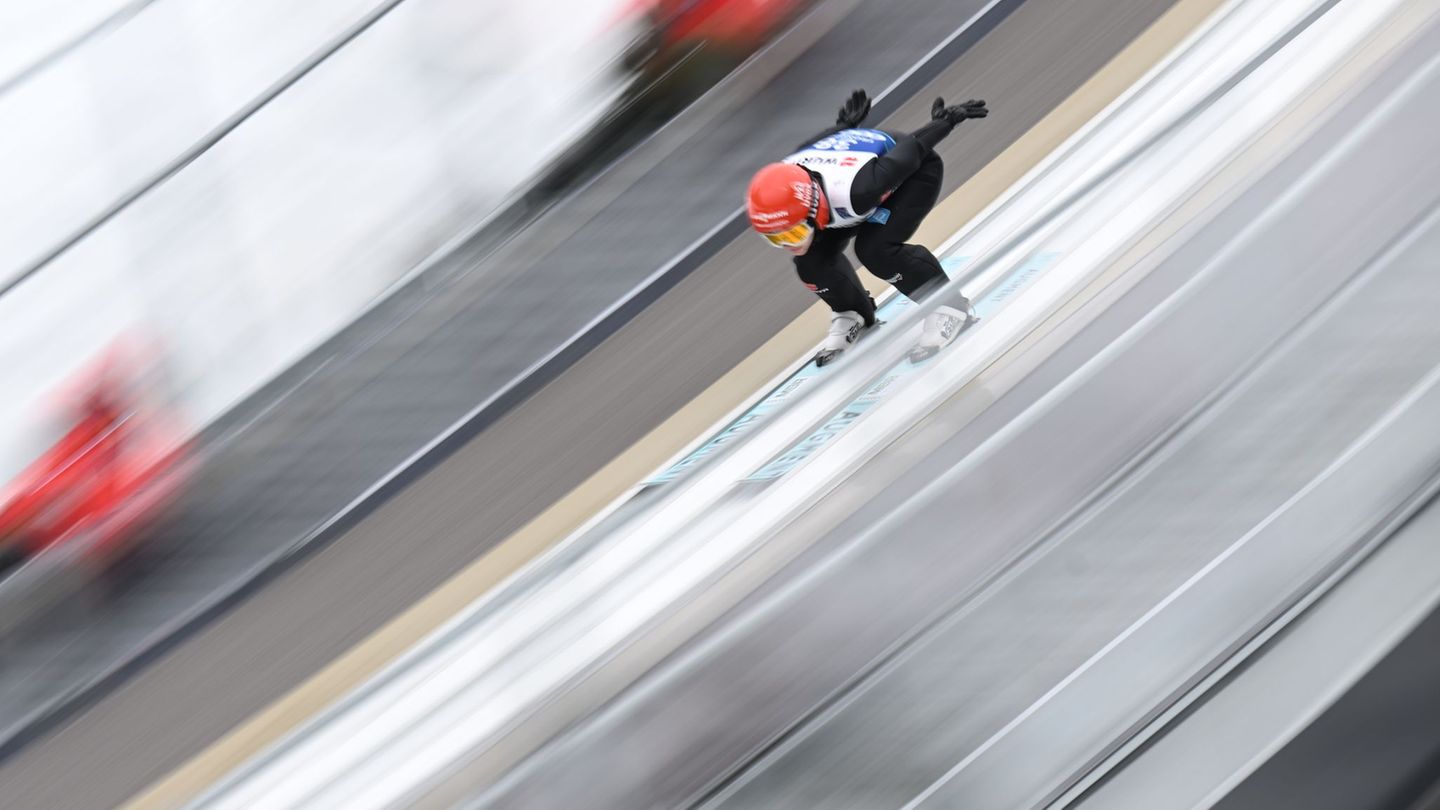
(782, 198)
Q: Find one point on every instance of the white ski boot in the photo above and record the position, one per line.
(845, 328)
(940, 330)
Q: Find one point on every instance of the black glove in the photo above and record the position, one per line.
(954, 115)
(855, 109)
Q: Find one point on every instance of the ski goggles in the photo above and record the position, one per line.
(790, 237)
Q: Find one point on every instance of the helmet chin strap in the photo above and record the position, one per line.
(814, 200)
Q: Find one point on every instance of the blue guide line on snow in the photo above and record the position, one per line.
(778, 396)
(890, 381)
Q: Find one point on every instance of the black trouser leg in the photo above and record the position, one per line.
(826, 272)
(882, 247)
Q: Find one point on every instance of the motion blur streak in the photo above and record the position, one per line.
(1197, 412)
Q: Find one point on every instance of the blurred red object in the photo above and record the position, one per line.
(735, 26)
(121, 462)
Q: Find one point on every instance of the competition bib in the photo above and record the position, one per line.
(837, 158)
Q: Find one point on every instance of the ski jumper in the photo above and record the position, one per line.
(880, 186)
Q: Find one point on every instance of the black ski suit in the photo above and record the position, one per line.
(910, 172)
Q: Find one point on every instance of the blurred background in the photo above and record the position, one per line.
(399, 413)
